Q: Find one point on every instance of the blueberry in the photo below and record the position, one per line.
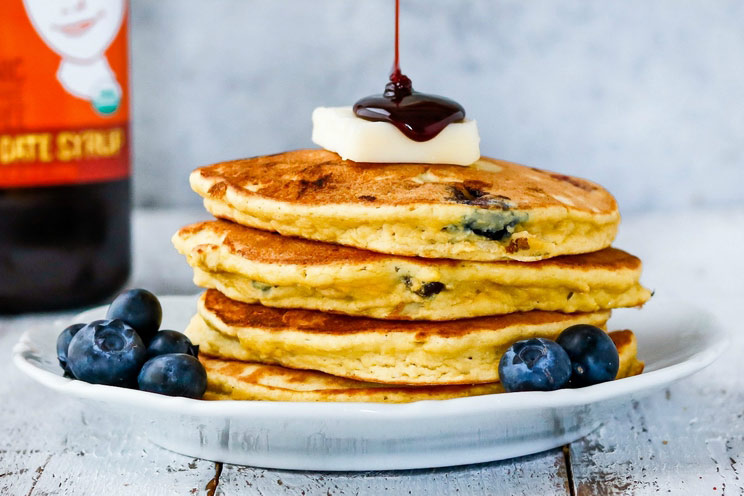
(536, 364)
(594, 357)
(493, 233)
(496, 226)
(166, 342)
(430, 289)
(140, 309)
(175, 374)
(106, 352)
(63, 343)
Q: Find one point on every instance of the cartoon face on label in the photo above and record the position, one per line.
(80, 31)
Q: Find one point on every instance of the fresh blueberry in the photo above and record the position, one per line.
(63, 343)
(106, 352)
(536, 364)
(176, 374)
(140, 309)
(166, 342)
(594, 357)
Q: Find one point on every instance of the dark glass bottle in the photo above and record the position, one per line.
(63, 246)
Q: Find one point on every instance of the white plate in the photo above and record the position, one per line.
(675, 340)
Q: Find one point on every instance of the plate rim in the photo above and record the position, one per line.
(717, 342)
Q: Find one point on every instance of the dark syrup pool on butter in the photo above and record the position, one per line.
(419, 116)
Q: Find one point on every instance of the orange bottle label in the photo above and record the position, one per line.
(64, 98)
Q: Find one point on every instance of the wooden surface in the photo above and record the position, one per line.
(687, 439)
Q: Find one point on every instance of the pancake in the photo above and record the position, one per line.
(492, 210)
(232, 380)
(386, 351)
(258, 266)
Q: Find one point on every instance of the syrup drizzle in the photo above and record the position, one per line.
(395, 74)
(419, 116)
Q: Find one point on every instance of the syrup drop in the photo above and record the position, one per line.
(419, 116)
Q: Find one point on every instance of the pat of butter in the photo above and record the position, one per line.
(337, 129)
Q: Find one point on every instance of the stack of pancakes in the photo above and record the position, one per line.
(330, 280)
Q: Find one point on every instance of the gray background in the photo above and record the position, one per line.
(643, 96)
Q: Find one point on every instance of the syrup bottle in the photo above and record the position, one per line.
(64, 153)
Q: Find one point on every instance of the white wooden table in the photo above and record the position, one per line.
(688, 439)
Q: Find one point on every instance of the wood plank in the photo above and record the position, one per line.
(50, 444)
(20, 468)
(121, 462)
(543, 473)
(686, 440)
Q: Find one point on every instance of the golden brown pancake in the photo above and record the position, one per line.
(463, 351)
(233, 380)
(492, 210)
(259, 266)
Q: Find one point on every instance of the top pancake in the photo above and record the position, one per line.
(320, 177)
(493, 210)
